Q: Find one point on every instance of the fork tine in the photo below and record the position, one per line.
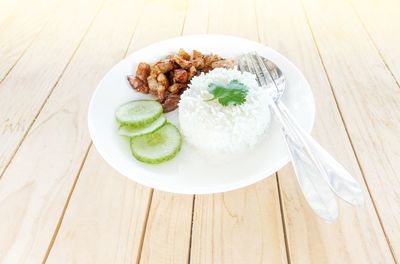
(264, 69)
(253, 66)
(272, 68)
(274, 74)
(250, 66)
(242, 65)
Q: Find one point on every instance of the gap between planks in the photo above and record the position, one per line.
(194, 196)
(152, 190)
(281, 206)
(345, 125)
(88, 149)
(22, 54)
(52, 88)
(145, 226)
(193, 203)
(191, 228)
(19, 58)
(53, 238)
(149, 203)
(373, 42)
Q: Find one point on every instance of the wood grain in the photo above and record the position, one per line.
(34, 189)
(381, 19)
(174, 245)
(20, 27)
(61, 203)
(242, 226)
(197, 15)
(110, 235)
(368, 99)
(310, 239)
(27, 87)
(167, 235)
(9, 8)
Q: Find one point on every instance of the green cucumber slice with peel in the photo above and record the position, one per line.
(159, 146)
(131, 131)
(138, 113)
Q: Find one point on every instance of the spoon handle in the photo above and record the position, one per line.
(337, 177)
(308, 172)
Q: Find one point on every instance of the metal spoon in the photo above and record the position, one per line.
(318, 173)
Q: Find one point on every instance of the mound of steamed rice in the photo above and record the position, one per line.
(219, 129)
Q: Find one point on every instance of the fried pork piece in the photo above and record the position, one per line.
(228, 64)
(143, 71)
(180, 76)
(198, 63)
(208, 60)
(163, 80)
(171, 102)
(197, 60)
(192, 72)
(184, 55)
(161, 93)
(138, 84)
(158, 88)
(196, 55)
(162, 66)
(168, 78)
(162, 88)
(176, 88)
(153, 84)
(184, 64)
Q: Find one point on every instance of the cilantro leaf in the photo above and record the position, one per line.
(232, 94)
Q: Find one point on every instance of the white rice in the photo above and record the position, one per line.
(219, 129)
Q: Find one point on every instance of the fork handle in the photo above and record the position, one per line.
(337, 177)
(308, 172)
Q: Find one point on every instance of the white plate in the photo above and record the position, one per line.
(190, 172)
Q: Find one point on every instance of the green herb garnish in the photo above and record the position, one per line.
(232, 94)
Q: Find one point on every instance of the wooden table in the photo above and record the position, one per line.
(61, 203)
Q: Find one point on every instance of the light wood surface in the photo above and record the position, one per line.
(61, 203)
(330, 131)
(243, 226)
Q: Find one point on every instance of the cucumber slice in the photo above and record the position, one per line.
(138, 113)
(130, 131)
(157, 147)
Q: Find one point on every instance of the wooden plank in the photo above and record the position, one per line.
(24, 91)
(242, 226)
(381, 20)
(357, 236)
(175, 243)
(8, 8)
(168, 16)
(34, 189)
(20, 28)
(167, 237)
(240, 20)
(105, 219)
(197, 17)
(368, 98)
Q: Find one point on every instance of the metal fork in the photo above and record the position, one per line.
(318, 173)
